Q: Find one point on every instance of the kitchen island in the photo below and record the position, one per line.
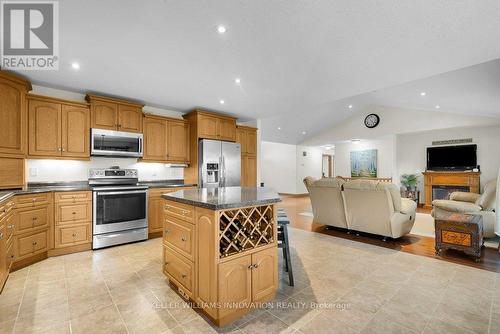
(220, 248)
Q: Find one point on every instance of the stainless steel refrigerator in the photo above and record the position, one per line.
(219, 164)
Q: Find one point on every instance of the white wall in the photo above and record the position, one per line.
(385, 155)
(411, 149)
(284, 166)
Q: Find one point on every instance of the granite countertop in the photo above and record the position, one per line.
(44, 187)
(225, 198)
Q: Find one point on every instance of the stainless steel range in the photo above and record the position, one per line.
(119, 207)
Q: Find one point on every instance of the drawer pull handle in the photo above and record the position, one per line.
(256, 266)
(166, 263)
(1, 236)
(34, 243)
(183, 238)
(74, 213)
(35, 218)
(250, 266)
(167, 231)
(184, 275)
(74, 234)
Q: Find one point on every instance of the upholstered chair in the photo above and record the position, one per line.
(326, 200)
(377, 207)
(471, 203)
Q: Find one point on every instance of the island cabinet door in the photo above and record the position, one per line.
(264, 273)
(235, 284)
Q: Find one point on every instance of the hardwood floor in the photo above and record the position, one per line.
(414, 244)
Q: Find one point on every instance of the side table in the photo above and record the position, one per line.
(460, 232)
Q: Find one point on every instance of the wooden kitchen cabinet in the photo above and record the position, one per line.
(226, 129)
(155, 138)
(115, 114)
(235, 283)
(58, 128)
(12, 173)
(156, 210)
(213, 126)
(247, 137)
(165, 140)
(4, 265)
(178, 141)
(13, 115)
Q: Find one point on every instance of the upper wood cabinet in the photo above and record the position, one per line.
(13, 115)
(247, 137)
(178, 141)
(58, 128)
(114, 114)
(213, 126)
(165, 139)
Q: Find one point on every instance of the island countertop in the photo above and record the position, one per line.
(225, 197)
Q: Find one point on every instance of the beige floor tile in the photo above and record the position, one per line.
(26, 326)
(7, 327)
(438, 326)
(106, 320)
(323, 324)
(9, 311)
(81, 305)
(383, 324)
(293, 313)
(266, 323)
(464, 318)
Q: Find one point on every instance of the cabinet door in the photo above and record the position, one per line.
(104, 115)
(250, 170)
(178, 141)
(241, 137)
(4, 266)
(264, 273)
(155, 139)
(243, 180)
(72, 235)
(207, 127)
(226, 129)
(44, 128)
(251, 142)
(129, 118)
(75, 132)
(12, 120)
(155, 215)
(235, 283)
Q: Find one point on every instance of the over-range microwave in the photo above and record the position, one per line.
(115, 143)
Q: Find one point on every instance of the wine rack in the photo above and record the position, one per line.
(245, 229)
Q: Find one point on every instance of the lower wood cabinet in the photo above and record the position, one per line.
(30, 244)
(4, 266)
(179, 270)
(72, 235)
(235, 283)
(156, 210)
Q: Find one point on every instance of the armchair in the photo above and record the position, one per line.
(470, 203)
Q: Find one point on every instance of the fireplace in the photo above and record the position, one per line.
(441, 184)
(444, 192)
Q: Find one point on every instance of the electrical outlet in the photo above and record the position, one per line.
(33, 171)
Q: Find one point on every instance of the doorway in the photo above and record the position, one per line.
(327, 165)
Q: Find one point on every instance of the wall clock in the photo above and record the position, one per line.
(372, 121)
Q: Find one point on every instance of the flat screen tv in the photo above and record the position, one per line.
(458, 157)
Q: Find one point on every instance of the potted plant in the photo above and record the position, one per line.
(409, 181)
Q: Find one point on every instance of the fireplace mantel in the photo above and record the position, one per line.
(464, 179)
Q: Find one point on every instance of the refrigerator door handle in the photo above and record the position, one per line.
(223, 171)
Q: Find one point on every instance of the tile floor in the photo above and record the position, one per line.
(369, 290)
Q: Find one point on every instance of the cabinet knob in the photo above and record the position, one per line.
(1, 236)
(184, 275)
(167, 231)
(34, 243)
(256, 265)
(35, 218)
(74, 212)
(183, 238)
(74, 235)
(63, 150)
(250, 266)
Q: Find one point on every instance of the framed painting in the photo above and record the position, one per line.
(364, 163)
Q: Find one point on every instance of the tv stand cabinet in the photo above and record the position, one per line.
(448, 178)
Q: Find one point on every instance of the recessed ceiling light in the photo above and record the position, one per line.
(237, 81)
(328, 147)
(423, 93)
(75, 66)
(279, 127)
(437, 106)
(303, 132)
(349, 106)
(221, 29)
(222, 101)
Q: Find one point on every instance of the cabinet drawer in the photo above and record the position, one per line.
(29, 219)
(9, 226)
(32, 200)
(5, 208)
(31, 244)
(180, 236)
(179, 270)
(73, 213)
(72, 235)
(10, 255)
(73, 196)
(180, 211)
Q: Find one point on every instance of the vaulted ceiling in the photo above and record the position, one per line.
(299, 62)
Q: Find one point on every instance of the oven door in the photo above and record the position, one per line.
(116, 143)
(119, 210)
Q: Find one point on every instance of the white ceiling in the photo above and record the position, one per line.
(298, 60)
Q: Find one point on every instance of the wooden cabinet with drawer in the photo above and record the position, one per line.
(30, 244)
(156, 209)
(31, 219)
(73, 219)
(180, 211)
(179, 270)
(33, 200)
(179, 235)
